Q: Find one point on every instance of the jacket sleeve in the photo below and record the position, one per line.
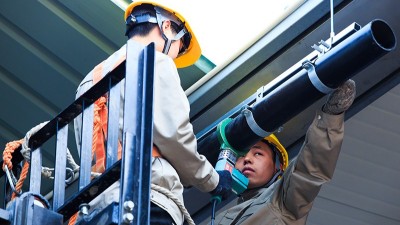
(173, 132)
(314, 165)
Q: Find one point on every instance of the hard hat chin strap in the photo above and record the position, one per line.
(169, 41)
(160, 20)
(167, 44)
(274, 178)
(163, 15)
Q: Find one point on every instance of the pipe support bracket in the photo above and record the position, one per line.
(253, 124)
(312, 75)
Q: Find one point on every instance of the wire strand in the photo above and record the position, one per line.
(214, 204)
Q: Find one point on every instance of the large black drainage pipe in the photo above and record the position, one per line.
(305, 87)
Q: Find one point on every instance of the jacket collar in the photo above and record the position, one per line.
(250, 193)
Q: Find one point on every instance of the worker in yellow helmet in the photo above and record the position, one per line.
(276, 155)
(270, 200)
(189, 49)
(175, 160)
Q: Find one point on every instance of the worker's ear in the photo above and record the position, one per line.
(166, 25)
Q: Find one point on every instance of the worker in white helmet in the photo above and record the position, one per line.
(175, 160)
(288, 200)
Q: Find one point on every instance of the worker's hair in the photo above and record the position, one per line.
(143, 29)
(272, 147)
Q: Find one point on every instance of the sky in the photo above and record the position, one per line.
(225, 28)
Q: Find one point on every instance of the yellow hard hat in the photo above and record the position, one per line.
(193, 50)
(281, 151)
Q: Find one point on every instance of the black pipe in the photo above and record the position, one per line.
(298, 92)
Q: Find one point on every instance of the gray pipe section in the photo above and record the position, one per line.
(300, 91)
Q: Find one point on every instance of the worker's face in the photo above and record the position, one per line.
(258, 165)
(170, 33)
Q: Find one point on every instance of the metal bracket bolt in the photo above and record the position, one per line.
(84, 209)
(128, 218)
(129, 205)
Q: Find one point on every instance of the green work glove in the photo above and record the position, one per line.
(340, 99)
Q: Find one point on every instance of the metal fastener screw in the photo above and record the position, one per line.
(129, 205)
(128, 218)
(84, 209)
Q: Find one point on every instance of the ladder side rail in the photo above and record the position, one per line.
(26, 216)
(138, 133)
(146, 136)
(113, 104)
(86, 146)
(60, 167)
(35, 171)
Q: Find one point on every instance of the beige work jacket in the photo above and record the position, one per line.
(173, 135)
(289, 200)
